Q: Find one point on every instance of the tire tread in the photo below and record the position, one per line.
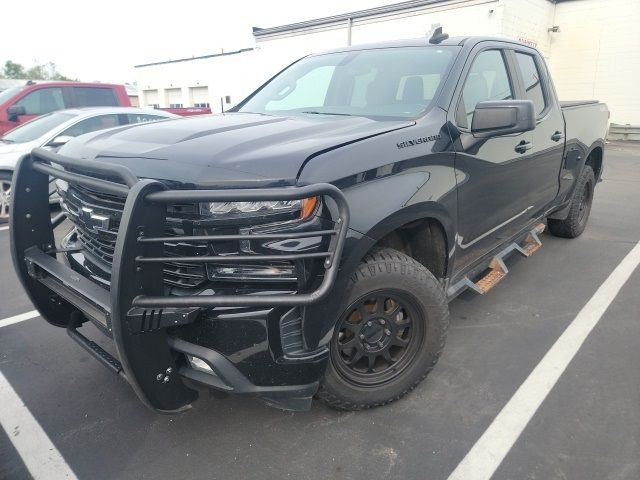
(382, 261)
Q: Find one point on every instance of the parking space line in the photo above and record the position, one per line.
(4, 228)
(489, 451)
(19, 318)
(39, 455)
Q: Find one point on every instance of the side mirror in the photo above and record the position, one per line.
(59, 141)
(503, 117)
(14, 111)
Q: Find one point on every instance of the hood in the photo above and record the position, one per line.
(10, 153)
(233, 147)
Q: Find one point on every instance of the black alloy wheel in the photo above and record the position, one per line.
(390, 333)
(377, 338)
(585, 203)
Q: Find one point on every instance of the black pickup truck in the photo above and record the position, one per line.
(307, 242)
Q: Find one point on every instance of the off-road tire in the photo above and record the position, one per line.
(576, 221)
(381, 271)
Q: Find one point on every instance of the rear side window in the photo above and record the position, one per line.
(143, 118)
(94, 97)
(487, 80)
(532, 83)
(43, 100)
(92, 124)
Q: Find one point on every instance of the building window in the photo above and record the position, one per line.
(175, 105)
(154, 105)
(201, 105)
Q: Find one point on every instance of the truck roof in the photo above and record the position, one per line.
(424, 42)
(66, 83)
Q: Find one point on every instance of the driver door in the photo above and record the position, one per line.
(493, 186)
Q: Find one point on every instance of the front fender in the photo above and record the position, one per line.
(378, 208)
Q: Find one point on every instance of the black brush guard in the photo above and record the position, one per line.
(135, 312)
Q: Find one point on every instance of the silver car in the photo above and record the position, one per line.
(54, 130)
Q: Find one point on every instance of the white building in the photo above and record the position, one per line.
(592, 48)
(217, 81)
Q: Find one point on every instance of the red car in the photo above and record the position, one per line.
(20, 104)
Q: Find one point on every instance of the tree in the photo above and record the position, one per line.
(39, 71)
(13, 70)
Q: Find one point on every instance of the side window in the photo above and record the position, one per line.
(309, 91)
(94, 97)
(532, 83)
(43, 100)
(143, 118)
(487, 80)
(92, 124)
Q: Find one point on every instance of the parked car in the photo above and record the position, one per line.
(21, 104)
(188, 111)
(308, 242)
(53, 130)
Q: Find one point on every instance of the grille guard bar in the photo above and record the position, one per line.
(137, 270)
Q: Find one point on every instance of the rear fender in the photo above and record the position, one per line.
(578, 158)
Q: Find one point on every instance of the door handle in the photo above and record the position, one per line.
(556, 137)
(523, 146)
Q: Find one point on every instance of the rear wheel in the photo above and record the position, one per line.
(576, 221)
(5, 196)
(389, 336)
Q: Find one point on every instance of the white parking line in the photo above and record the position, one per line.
(4, 228)
(19, 318)
(39, 455)
(487, 454)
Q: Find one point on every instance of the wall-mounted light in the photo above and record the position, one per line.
(554, 29)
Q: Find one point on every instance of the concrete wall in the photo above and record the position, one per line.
(596, 54)
(529, 22)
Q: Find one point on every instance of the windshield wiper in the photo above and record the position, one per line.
(329, 113)
(6, 141)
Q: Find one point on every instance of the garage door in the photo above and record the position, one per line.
(174, 97)
(200, 96)
(151, 98)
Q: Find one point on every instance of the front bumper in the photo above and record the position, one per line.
(151, 330)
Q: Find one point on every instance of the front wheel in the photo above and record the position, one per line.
(389, 336)
(5, 196)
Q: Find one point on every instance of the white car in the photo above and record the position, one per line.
(57, 128)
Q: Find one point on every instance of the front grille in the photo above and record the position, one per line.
(98, 237)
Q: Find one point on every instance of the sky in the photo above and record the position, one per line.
(102, 41)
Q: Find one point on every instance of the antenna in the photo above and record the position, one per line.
(438, 36)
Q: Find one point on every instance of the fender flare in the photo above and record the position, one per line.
(320, 318)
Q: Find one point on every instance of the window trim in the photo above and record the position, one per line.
(514, 81)
(544, 80)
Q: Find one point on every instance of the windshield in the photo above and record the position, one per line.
(8, 93)
(384, 82)
(36, 127)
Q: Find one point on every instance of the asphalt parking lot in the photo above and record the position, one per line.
(588, 427)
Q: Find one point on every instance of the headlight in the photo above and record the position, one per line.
(305, 207)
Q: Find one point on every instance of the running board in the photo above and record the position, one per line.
(529, 245)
